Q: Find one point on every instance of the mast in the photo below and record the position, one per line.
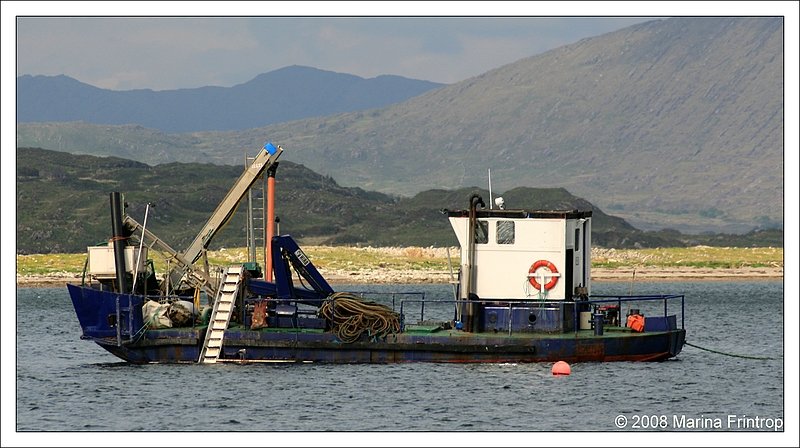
(490, 188)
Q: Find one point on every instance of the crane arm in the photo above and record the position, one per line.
(265, 159)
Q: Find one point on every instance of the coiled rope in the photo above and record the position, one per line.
(350, 317)
(730, 354)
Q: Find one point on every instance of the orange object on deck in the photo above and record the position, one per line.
(636, 322)
(259, 316)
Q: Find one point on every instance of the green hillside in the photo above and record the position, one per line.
(63, 206)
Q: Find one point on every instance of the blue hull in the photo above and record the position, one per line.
(98, 310)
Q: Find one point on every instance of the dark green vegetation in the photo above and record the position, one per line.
(674, 123)
(63, 206)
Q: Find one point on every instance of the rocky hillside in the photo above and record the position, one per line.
(674, 123)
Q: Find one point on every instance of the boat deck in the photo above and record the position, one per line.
(410, 330)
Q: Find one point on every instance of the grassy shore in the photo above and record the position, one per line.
(431, 265)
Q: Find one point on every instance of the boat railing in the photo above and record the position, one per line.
(508, 304)
(595, 300)
(418, 303)
(393, 296)
(404, 305)
(384, 298)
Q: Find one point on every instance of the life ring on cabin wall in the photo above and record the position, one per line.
(532, 271)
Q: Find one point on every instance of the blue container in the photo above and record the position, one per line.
(665, 323)
(598, 323)
(528, 319)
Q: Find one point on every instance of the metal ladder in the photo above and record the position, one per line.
(256, 217)
(221, 315)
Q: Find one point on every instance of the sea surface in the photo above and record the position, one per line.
(65, 384)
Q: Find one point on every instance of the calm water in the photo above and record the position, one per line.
(70, 385)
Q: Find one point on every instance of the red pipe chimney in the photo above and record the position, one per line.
(269, 224)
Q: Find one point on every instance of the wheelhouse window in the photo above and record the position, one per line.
(482, 232)
(577, 240)
(505, 232)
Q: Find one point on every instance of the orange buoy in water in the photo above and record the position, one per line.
(561, 368)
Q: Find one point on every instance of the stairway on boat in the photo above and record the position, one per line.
(221, 315)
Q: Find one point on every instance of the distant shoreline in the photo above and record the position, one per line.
(387, 276)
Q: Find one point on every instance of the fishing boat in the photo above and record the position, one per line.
(522, 293)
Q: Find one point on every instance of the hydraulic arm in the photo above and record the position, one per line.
(265, 159)
(287, 255)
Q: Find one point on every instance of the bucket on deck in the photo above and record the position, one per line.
(585, 320)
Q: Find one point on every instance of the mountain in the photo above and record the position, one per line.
(290, 93)
(674, 123)
(63, 206)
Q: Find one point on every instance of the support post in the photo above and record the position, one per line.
(119, 242)
(467, 294)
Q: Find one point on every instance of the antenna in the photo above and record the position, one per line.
(490, 189)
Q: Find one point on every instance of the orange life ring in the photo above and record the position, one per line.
(543, 263)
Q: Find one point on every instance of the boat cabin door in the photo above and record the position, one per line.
(578, 256)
